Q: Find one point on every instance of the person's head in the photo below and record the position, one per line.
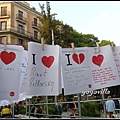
(109, 97)
(94, 96)
(16, 103)
(9, 106)
(41, 106)
(6, 106)
(72, 96)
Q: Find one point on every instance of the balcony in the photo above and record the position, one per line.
(35, 25)
(19, 33)
(35, 37)
(4, 15)
(21, 19)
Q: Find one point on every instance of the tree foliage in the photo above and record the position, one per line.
(47, 23)
(87, 40)
(90, 109)
(64, 34)
(105, 42)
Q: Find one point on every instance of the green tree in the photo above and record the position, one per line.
(48, 23)
(87, 40)
(105, 42)
(65, 36)
(69, 35)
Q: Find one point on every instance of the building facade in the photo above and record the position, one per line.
(18, 23)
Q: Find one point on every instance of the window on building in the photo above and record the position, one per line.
(20, 41)
(35, 35)
(35, 22)
(3, 38)
(20, 28)
(4, 11)
(20, 14)
(3, 25)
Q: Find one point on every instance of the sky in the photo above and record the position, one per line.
(101, 18)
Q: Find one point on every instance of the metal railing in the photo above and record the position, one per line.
(18, 31)
(4, 13)
(21, 18)
(35, 25)
(65, 114)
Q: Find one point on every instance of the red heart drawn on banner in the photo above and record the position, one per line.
(12, 94)
(78, 59)
(89, 85)
(7, 58)
(47, 61)
(98, 59)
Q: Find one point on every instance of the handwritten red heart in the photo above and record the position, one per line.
(7, 58)
(47, 61)
(78, 59)
(12, 93)
(89, 85)
(97, 60)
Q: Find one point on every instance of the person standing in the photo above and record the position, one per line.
(71, 106)
(110, 107)
(1, 107)
(59, 108)
(16, 108)
(9, 106)
(116, 105)
(5, 113)
(39, 112)
(101, 108)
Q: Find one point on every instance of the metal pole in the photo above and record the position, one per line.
(29, 107)
(53, 44)
(79, 105)
(47, 106)
(13, 111)
(103, 102)
(26, 106)
(55, 99)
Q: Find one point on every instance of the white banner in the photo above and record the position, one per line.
(10, 70)
(116, 54)
(24, 72)
(76, 71)
(103, 68)
(43, 70)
